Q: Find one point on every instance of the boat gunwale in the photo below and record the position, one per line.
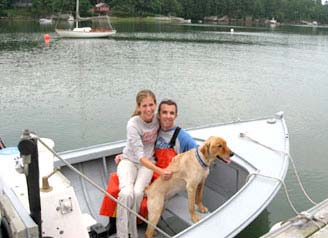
(237, 121)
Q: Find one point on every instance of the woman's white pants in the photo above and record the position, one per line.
(133, 178)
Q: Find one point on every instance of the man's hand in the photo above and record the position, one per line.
(167, 174)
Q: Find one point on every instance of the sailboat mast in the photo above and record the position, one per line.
(77, 14)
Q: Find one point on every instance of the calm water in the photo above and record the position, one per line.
(81, 92)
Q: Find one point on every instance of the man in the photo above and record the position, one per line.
(171, 140)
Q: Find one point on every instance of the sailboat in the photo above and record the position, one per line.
(101, 27)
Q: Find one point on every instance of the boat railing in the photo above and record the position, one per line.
(91, 152)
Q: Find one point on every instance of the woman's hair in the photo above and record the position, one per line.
(141, 96)
(167, 102)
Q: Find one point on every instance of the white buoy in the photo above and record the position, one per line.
(232, 30)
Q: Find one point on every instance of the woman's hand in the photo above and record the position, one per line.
(118, 158)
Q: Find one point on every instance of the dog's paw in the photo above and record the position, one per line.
(203, 209)
(195, 218)
(148, 234)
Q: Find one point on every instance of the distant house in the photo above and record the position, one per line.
(102, 8)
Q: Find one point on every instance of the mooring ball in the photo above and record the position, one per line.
(46, 38)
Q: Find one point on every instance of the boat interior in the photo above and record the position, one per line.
(221, 184)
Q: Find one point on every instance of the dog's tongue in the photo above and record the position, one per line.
(227, 161)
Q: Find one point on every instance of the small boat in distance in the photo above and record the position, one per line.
(234, 193)
(45, 21)
(70, 18)
(101, 27)
(273, 22)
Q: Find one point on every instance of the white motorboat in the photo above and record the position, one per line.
(45, 21)
(273, 22)
(235, 193)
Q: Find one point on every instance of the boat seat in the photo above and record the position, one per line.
(178, 206)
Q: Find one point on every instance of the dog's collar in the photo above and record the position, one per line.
(201, 162)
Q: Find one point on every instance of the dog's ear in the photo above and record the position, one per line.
(204, 149)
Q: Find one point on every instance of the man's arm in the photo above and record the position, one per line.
(186, 141)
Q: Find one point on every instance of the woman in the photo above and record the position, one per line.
(135, 170)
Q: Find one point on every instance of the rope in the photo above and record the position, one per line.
(98, 187)
(279, 180)
(303, 214)
(243, 135)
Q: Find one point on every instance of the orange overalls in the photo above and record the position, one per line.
(163, 159)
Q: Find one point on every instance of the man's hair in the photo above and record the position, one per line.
(168, 102)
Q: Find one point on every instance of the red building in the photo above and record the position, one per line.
(102, 8)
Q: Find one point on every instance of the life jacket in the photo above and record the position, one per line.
(164, 156)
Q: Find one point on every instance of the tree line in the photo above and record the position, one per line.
(281, 10)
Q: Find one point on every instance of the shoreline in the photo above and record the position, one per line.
(165, 19)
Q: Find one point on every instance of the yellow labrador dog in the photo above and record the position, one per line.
(190, 170)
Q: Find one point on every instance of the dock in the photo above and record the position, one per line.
(309, 224)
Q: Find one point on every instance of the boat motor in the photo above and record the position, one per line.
(28, 149)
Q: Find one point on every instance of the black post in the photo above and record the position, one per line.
(28, 149)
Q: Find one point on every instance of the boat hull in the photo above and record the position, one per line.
(80, 34)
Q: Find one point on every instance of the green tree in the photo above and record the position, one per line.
(124, 7)
(187, 8)
(171, 7)
(259, 9)
(282, 10)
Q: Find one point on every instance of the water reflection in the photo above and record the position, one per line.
(24, 26)
(18, 45)
(258, 227)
